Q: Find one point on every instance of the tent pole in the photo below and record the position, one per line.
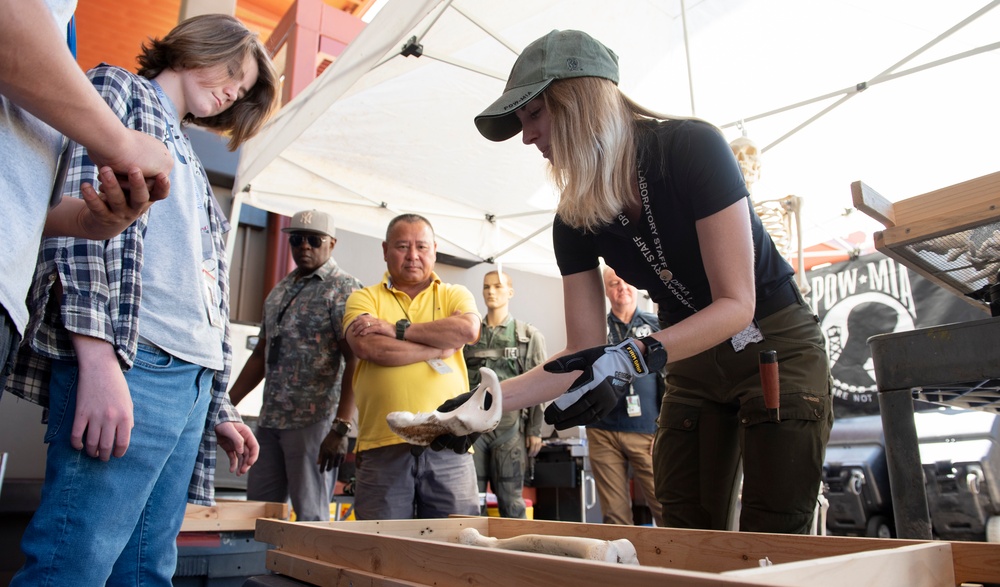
(687, 56)
(489, 31)
(234, 215)
(865, 85)
(939, 38)
(521, 242)
(464, 65)
(884, 76)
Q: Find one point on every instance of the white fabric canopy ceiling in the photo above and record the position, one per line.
(379, 134)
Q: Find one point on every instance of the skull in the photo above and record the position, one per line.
(748, 156)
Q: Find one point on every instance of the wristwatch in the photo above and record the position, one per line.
(341, 427)
(656, 355)
(401, 327)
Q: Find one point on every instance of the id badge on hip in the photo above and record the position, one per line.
(632, 405)
(210, 292)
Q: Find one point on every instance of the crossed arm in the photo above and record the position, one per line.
(374, 339)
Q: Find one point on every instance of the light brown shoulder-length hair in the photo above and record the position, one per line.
(594, 146)
(218, 39)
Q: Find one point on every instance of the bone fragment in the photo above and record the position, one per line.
(472, 416)
(610, 551)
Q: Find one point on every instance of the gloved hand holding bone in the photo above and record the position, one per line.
(456, 423)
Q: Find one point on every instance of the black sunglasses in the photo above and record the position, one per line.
(314, 240)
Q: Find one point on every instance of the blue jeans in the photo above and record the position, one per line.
(116, 522)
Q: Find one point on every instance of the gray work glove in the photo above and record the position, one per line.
(607, 372)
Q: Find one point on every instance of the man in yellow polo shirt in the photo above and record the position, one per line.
(407, 333)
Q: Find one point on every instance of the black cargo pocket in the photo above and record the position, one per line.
(679, 417)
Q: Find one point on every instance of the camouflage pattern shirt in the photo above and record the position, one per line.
(302, 384)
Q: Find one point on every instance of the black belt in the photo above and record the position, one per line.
(782, 297)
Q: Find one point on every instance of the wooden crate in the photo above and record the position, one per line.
(230, 515)
(425, 552)
(930, 232)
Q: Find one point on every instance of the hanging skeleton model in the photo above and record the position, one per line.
(780, 217)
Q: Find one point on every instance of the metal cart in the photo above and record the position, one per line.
(950, 236)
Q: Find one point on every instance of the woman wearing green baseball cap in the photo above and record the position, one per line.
(663, 202)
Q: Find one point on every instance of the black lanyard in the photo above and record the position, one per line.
(295, 290)
(657, 262)
(434, 293)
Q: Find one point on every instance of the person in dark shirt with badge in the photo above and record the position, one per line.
(663, 202)
(623, 439)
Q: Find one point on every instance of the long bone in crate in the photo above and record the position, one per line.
(609, 551)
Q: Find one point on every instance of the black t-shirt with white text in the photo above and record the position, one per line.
(691, 173)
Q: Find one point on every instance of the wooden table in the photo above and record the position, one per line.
(950, 236)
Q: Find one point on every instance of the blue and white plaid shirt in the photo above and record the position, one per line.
(102, 281)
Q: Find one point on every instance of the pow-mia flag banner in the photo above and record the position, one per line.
(871, 295)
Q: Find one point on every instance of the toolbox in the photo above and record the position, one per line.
(960, 457)
(856, 479)
(216, 546)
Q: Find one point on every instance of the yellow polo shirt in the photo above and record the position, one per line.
(417, 387)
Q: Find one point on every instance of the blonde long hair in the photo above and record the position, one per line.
(594, 146)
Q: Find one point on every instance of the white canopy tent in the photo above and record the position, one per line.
(379, 133)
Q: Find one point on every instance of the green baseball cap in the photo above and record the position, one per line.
(557, 55)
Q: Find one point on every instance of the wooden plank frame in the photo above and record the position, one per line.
(942, 212)
(917, 565)
(230, 515)
(426, 552)
(318, 572)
